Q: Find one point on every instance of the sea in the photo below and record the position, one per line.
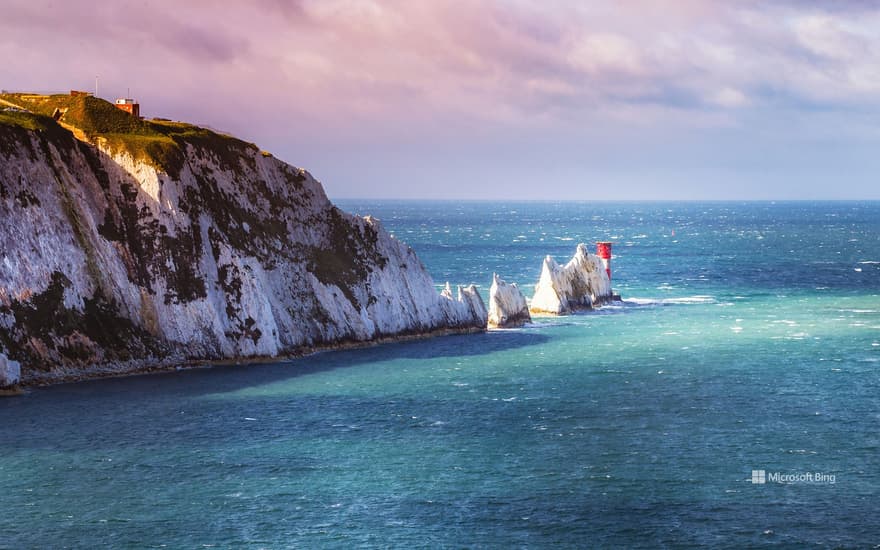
(732, 399)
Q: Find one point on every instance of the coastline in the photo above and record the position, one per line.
(172, 364)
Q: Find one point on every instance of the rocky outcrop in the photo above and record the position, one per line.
(10, 373)
(582, 283)
(507, 305)
(189, 245)
(466, 306)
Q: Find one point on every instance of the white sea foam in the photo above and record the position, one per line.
(699, 299)
(690, 300)
(550, 322)
(641, 301)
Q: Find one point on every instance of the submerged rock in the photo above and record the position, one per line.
(507, 305)
(10, 372)
(175, 243)
(582, 283)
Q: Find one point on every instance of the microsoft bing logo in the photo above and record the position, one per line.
(762, 477)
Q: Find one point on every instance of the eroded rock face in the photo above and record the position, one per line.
(507, 305)
(582, 283)
(10, 372)
(465, 306)
(107, 260)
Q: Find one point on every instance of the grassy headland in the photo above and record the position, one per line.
(158, 142)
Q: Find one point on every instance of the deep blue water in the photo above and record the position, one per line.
(749, 340)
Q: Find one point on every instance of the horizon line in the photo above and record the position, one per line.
(471, 200)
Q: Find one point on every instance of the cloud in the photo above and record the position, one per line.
(729, 97)
(495, 61)
(607, 52)
(297, 72)
(123, 27)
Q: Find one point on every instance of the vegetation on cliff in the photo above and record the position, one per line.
(158, 142)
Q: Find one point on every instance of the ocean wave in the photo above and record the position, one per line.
(532, 325)
(699, 299)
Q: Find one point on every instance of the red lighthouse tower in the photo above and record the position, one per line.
(603, 250)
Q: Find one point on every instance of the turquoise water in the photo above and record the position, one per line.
(749, 339)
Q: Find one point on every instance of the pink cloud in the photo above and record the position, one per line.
(357, 69)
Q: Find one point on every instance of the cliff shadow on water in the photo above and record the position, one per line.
(186, 390)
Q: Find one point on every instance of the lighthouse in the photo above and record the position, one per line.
(603, 250)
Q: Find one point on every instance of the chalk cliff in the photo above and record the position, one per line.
(582, 283)
(10, 373)
(467, 304)
(140, 243)
(507, 305)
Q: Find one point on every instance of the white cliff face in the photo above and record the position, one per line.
(10, 372)
(507, 305)
(468, 305)
(107, 260)
(582, 283)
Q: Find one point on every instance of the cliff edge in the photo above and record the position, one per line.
(127, 243)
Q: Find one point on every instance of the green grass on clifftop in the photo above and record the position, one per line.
(15, 127)
(23, 120)
(160, 143)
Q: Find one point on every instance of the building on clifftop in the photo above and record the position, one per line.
(129, 106)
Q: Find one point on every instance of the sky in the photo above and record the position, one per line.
(518, 99)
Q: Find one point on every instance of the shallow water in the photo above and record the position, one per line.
(749, 339)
